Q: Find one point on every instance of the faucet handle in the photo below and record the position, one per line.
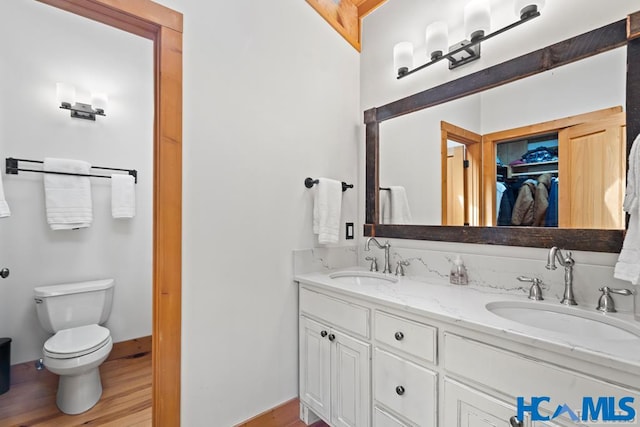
(605, 302)
(400, 267)
(535, 292)
(374, 263)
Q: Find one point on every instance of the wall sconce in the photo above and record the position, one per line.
(477, 23)
(66, 95)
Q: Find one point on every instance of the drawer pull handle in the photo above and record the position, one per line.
(399, 336)
(323, 334)
(332, 337)
(400, 390)
(514, 422)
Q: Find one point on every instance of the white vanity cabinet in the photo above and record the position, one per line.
(365, 361)
(403, 383)
(334, 363)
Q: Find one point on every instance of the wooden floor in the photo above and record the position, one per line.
(125, 402)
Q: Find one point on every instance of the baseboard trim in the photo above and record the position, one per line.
(26, 372)
(282, 415)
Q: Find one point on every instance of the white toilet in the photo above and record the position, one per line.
(74, 313)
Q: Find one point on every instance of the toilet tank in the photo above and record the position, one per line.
(70, 305)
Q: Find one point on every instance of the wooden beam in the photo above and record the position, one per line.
(633, 26)
(367, 6)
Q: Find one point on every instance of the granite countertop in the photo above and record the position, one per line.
(465, 306)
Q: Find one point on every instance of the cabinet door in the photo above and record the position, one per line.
(350, 389)
(315, 378)
(466, 407)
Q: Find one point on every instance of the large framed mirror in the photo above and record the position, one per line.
(445, 121)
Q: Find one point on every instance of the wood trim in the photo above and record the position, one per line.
(133, 347)
(353, 39)
(27, 372)
(365, 7)
(490, 140)
(535, 237)
(164, 26)
(452, 132)
(633, 26)
(282, 415)
(591, 43)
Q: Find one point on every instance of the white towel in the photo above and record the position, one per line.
(67, 197)
(385, 207)
(400, 213)
(123, 196)
(4, 207)
(326, 210)
(628, 265)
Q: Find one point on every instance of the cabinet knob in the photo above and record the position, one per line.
(4, 273)
(332, 337)
(399, 336)
(400, 390)
(515, 422)
(323, 334)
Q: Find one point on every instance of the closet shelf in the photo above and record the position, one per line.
(534, 172)
(520, 165)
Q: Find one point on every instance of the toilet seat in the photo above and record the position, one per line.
(76, 342)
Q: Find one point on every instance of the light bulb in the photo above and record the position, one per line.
(477, 19)
(403, 57)
(99, 100)
(437, 38)
(65, 94)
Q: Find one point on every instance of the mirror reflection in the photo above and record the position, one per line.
(570, 117)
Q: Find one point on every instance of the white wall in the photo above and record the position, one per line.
(407, 20)
(46, 46)
(270, 97)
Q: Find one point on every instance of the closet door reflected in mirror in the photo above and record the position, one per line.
(566, 173)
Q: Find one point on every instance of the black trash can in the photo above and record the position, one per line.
(5, 364)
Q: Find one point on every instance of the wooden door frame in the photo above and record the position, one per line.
(472, 142)
(164, 27)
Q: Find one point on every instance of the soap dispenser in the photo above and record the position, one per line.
(458, 274)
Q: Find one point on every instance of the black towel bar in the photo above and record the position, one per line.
(310, 182)
(13, 169)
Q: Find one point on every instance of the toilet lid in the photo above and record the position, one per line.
(75, 342)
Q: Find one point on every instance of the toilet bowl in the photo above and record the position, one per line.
(73, 313)
(75, 354)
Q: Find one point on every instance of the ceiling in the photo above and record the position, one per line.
(345, 16)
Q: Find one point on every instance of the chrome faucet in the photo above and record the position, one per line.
(386, 246)
(568, 263)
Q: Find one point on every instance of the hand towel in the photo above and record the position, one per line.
(400, 213)
(326, 210)
(4, 207)
(67, 197)
(123, 196)
(628, 265)
(385, 206)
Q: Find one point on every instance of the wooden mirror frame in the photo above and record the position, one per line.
(164, 27)
(622, 33)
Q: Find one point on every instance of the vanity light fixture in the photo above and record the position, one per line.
(477, 23)
(66, 95)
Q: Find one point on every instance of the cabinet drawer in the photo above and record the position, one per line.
(345, 315)
(515, 375)
(405, 387)
(382, 419)
(406, 335)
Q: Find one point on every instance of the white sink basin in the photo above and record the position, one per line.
(362, 277)
(566, 320)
